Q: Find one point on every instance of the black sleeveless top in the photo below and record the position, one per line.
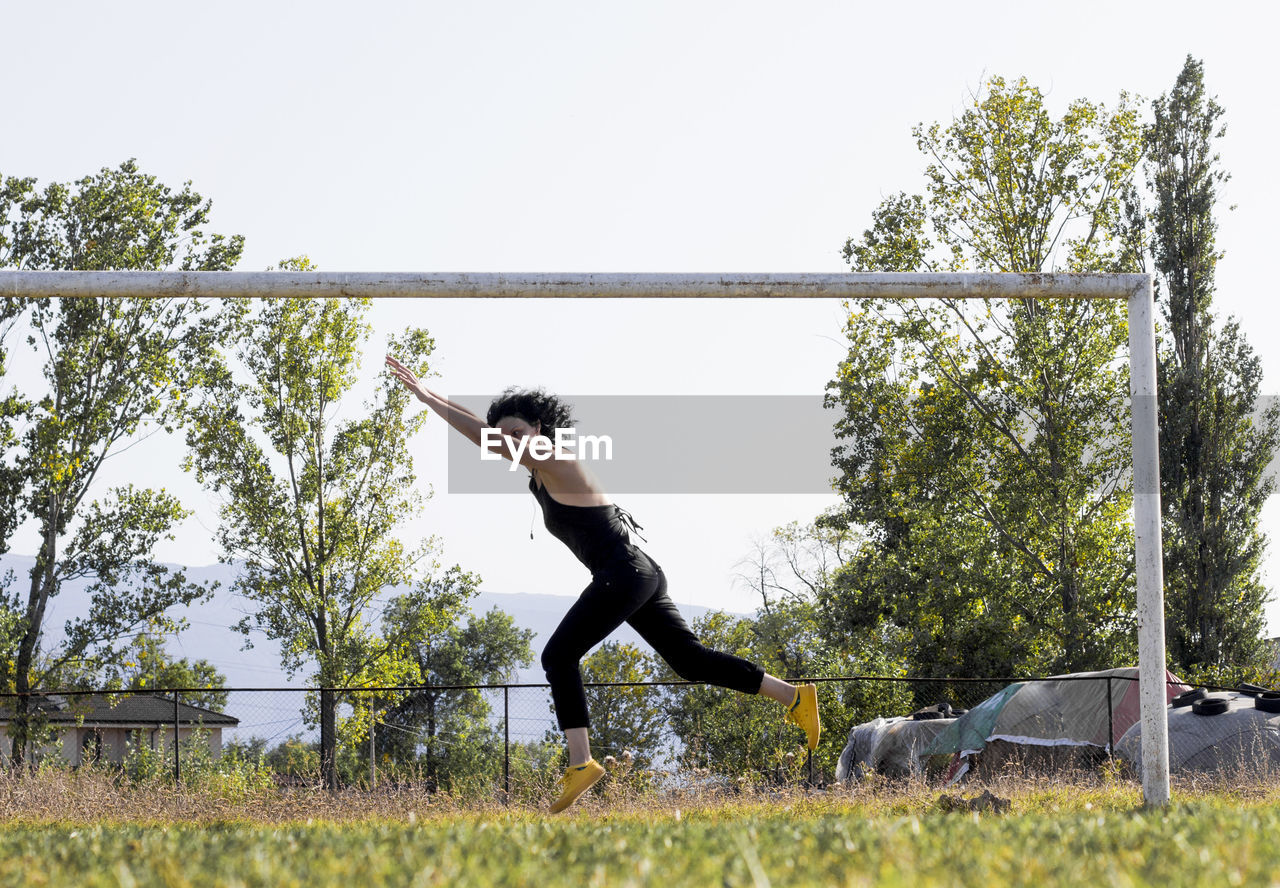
(598, 536)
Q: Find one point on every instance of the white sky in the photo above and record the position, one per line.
(593, 137)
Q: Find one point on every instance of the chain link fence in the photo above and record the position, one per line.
(495, 738)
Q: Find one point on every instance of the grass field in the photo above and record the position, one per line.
(87, 832)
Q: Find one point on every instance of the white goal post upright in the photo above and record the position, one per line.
(1149, 559)
(1136, 288)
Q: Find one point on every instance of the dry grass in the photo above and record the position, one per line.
(94, 796)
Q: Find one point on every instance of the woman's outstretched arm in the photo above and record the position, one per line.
(415, 385)
(455, 405)
(476, 430)
(457, 416)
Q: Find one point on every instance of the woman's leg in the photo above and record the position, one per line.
(777, 689)
(661, 625)
(601, 608)
(579, 746)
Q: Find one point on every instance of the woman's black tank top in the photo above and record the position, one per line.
(598, 536)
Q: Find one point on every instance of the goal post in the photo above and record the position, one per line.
(1137, 289)
(1149, 559)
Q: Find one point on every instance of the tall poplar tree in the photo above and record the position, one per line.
(1214, 448)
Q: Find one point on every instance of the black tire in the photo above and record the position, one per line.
(1252, 690)
(1267, 701)
(1210, 706)
(1186, 698)
(938, 710)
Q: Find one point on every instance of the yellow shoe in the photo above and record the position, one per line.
(803, 711)
(576, 780)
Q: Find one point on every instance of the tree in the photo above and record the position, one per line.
(794, 634)
(983, 451)
(312, 501)
(449, 732)
(150, 666)
(146, 665)
(1213, 454)
(113, 368)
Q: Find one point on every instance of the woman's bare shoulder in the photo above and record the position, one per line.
(574, 484)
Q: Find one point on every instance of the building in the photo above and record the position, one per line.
(98, 727)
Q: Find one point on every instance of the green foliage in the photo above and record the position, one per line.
(728, 733)
(983, 452)
(1214, 448)
(113, 369)
(116, 219)
(447, 735)
(312, 508)
(231, 776)
(531, 761)
(292, 758)
(149, 666)
(146, 665)
(1009, 186)
(1232, 675)
(794, 634)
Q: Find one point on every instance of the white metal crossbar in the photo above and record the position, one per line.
(259, 284)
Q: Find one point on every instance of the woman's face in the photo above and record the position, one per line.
(516, 428)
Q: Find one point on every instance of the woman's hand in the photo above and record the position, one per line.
(405, 375)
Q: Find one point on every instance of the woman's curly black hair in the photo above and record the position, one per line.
(531, 405)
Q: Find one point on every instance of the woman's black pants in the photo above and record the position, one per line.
(634, 592)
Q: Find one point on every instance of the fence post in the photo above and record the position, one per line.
(506, 744)
(1111, 726)
(177, 764)
(373, 755)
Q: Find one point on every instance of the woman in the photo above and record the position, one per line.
(626, 584)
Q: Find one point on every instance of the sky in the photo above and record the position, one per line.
(578, 137)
